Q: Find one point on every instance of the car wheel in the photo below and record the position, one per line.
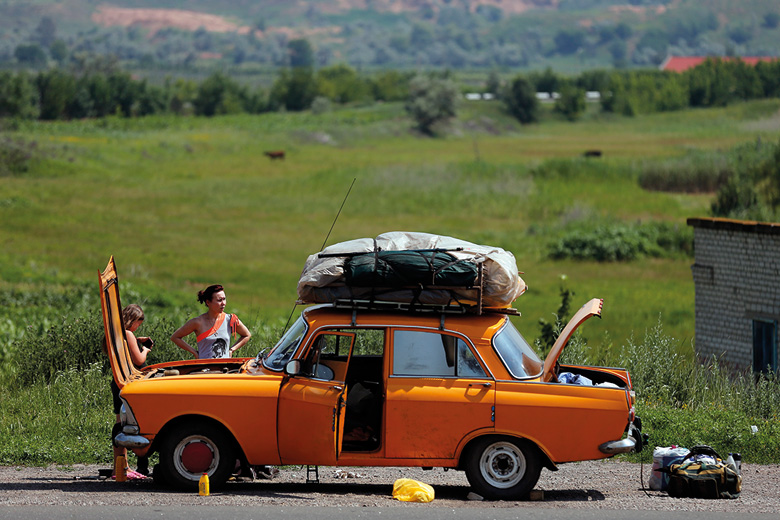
(503, 468)
(193, 449)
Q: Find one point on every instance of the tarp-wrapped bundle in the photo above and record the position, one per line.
(412, 267)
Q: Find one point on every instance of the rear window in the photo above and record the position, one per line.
(516, 354)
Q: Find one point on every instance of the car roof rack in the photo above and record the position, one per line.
(385, 299)
(416, 307)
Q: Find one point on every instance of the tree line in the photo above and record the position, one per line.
(99, 91)
(715, 83)
(456, 35)
(58, 94)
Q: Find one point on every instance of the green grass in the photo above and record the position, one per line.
(65, 422)
(185, 202)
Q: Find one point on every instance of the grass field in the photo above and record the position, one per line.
(184, 202)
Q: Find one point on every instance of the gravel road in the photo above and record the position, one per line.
(591, 485)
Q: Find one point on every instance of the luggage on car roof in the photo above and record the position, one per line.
(412, 268)
(405, 268)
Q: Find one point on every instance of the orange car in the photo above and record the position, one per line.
(367, 387)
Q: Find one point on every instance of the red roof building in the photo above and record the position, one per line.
(683, 63)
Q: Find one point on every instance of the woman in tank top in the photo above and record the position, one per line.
(213, 329)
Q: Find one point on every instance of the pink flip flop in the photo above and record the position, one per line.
(132, 475)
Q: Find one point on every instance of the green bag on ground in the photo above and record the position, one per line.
(696, 477)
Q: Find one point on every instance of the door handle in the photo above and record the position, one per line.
(484, 385)
(337, 387)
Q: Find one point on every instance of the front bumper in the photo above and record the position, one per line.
(129, 438)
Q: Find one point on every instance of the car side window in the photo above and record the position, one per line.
(333, 345)
(369, 342)
(468, 366)
(430, 354)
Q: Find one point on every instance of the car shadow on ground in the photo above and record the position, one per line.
(272, 489)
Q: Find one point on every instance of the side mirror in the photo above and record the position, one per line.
(293, 367)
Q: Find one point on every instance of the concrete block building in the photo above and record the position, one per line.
(736, 275)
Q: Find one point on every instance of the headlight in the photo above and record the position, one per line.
(126, 414)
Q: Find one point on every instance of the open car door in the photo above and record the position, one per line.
(116, 342)
(312, 403)
(592, 308)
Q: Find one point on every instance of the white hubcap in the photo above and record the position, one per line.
(502, 465)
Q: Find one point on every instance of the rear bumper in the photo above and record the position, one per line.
(615, 447)
(634, 441)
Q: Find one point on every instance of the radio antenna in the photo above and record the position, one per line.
(323, 246)
(337, 214)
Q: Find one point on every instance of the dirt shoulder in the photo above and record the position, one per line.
(591, 485)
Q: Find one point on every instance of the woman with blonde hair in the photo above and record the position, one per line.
(138, 348)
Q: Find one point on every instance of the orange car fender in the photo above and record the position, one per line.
(566, 422)
(546, 460)
(534, 440)
(468, 439)
(246, 409)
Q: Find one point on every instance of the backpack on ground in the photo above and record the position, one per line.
(703, 474)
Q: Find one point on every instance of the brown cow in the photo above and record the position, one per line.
(276, 154)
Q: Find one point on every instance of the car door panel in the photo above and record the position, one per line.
(311, 409)
(431, 405)
(428, 418)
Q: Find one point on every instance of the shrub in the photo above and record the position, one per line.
(752, 190)
(658, 369)
(520, 100)
(72, 344)
(16, 155)
(431, 101)
(571, 104)
(685, 402)
(18, 96)
(549, 332)
(704, 172)
(694, 173)
(619, 242)
(293, 90)
(219, 94)
(320, 105)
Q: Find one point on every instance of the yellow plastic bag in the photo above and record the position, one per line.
(408, 490)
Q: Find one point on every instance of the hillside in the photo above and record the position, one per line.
(567, 35)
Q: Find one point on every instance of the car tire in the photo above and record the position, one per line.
(503, 468)
(192, 449)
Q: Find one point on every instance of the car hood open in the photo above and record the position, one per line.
(591, 308)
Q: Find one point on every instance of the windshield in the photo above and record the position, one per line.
(517, 355)
(284, 350)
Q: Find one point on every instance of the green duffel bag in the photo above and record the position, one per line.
(698, 477)
(428, 268)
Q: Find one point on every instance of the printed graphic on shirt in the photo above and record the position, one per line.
(220, 349)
